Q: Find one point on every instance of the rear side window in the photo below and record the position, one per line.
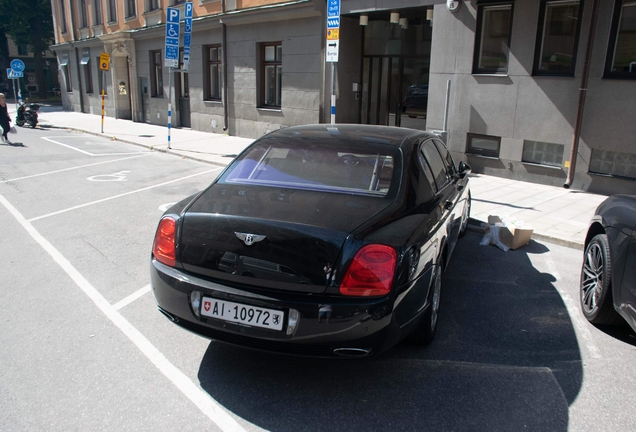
(450, 164)
(360, 169)
(435, 163)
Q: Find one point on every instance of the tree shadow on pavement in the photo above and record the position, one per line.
(505, 358)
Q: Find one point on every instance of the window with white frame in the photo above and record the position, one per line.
(131, 8)
(492, 44)
(83, 14)
(62, 9)
(97, 16)
(66, 71)
(621, 53)
(112, 10)
(271, 74)
(88, 73)
(559, 24)
(152, 5)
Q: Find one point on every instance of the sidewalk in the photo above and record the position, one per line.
(557, 215)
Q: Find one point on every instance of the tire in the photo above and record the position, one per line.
(33, 123)
(19, 122)
(425, 331)
(465, 216)
(596, 283)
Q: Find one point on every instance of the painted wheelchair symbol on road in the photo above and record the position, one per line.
(118, 176)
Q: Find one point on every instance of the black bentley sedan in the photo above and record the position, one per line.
(608, 275)
(323, 241)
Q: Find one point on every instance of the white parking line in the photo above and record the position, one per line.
(208, 406)
(75, 167)
(119, 196)
(92, 154)
(131, 298)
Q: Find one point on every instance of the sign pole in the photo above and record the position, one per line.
(333, 93)
(15, 95)
(169, 104)
(333, 43)
(103, 92)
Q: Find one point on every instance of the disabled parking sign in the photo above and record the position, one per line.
(171, 57)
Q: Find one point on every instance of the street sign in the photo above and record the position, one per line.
(171, 58)
(104, 61)
(333, 23)
(333, 34)
(12, 74)
(333, 9)
(187, 35)
(17, 65)
(332, 51)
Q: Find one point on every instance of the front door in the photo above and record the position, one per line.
(395, 91)
(182, 91)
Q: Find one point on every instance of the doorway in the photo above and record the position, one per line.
(395, 91)
(182, 92)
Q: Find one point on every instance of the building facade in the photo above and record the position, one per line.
(501, 79)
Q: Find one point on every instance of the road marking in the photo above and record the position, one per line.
(131, 298)
(75, 167)
(574, 310)
(92, 154)
(118, 176)
(208, 406)
(120, 195)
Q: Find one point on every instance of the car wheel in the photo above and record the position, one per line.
(425, 331)
(465, 216)
(19, 122)
(596, 283)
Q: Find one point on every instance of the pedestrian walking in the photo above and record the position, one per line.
(4, 119)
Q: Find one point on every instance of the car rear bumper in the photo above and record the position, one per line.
(356, 327)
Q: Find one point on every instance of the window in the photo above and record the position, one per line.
(558, 38)
(435, 163)
(542, 153)
(112, 10)
(156, 74)
(97, 18)
(612, 163)
(450, 164)
(83, 14)
(131, 8)
(271, 74)
(23, 50)
(62, 17)
(175, 2)
(67, 72)
(213, 55)
(483, 145)
(152, 5)
(101, 78)
(492, 44)
(621, 54)
(86, 66)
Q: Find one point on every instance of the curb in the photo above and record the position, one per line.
(148, 147)
(478, 227)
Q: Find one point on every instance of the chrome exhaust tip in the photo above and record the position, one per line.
(352, 352)
(171, 317)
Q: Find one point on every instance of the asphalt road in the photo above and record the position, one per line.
(82, 345)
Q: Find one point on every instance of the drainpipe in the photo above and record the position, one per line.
(225, 86)
(582, 94)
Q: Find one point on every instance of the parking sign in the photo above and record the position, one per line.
(171, 58)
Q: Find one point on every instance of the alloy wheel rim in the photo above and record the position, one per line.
(436, 296)
(592, 281)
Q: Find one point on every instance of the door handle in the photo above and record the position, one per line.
(448, 205)
(460, 188)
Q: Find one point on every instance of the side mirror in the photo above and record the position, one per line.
(463, 169)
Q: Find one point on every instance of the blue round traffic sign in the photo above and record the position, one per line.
(17, 65)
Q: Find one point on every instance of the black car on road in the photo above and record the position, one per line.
(317, 240)
(608, 276)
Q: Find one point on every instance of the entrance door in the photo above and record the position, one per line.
(144, 97)
(395, 91)
(183, 94)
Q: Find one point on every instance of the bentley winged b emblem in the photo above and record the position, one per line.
(249, 239)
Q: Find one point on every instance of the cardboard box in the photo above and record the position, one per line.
(511, 236)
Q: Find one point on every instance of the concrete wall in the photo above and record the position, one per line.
(518, 106)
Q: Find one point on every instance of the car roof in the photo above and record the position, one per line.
(394, 136)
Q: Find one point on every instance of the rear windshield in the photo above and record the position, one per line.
(359, 169)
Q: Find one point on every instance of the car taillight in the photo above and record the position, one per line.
(371, 272)
(164, 248)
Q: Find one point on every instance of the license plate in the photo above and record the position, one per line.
(242, 314)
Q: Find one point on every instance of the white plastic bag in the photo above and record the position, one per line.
(13, 130)
(492, 237)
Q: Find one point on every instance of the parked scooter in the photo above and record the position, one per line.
(27, 114)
